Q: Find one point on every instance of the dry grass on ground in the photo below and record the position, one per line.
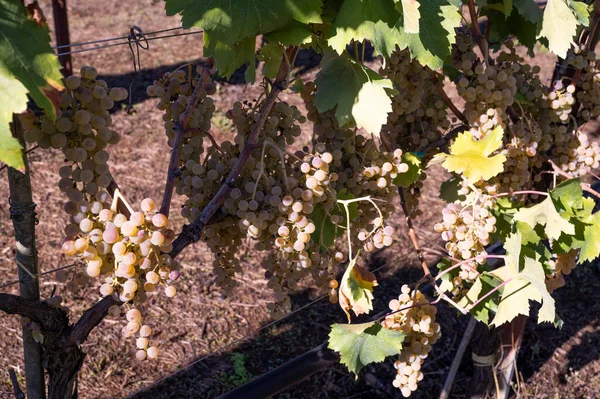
(554, 364)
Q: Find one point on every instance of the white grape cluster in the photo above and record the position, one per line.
(359, 166)
(415, 317)
(419, 114)
(562, 264)
(521, 150)
(588, 85)
(174, 89)
(130, 254)
(576, 155)
(467, 232)
(82, 131)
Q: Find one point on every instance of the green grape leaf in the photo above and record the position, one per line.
(362, 344)
(293, 34)
(231, 28)
(325, 231)
(559, 26)
(520, 98)
(591, 245)
(568, 195)
(242, 19)
(431, 46)
(449, 189)
(529, 235)
(472, 158)
(504, 210)
(357, 93)
(343, 194)
(13, 97)
(412, 174)
(272, 56)
(580, 9)
(446, 284)
(356, 289)
(411, 15)
(524, 280)
(514, 25)
(568, 242)
(357, 20)
(384, 39)
(484, 309)
(529, 10)
(508, 7)
(230, 57)
(546, 214)
(27, 66)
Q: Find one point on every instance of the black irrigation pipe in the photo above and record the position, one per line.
(303, 366)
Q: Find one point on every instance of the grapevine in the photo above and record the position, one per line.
(514, 143)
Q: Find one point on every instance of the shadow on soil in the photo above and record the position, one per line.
(578, 304)
(301, 332)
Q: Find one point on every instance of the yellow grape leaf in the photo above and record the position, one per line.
(356, 290)
(472, 158)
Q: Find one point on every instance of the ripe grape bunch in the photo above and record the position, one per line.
(130, 254)
(415, 317)
(467, 232)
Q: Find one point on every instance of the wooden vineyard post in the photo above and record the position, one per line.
(61, 30)
(485, 345)
(22, 213)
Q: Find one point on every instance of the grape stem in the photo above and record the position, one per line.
(522, 192)
(440, 89)
(483, 45)
(117, 196)
(412, 235)
(345, 203)
(180, 130)
(191, 233)
(477, 302)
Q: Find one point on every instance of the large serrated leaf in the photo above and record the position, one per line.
(526, 282)
(529, 10)
(232, 27)
(591, 245)
(362, 344)
(241, 19)
(559, 26)
(358, 20)
(482, 286)
(27, 66)
(431, 46)
(546, 214)
(357, 93)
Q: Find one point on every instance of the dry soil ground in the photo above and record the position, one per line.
(189, 328)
